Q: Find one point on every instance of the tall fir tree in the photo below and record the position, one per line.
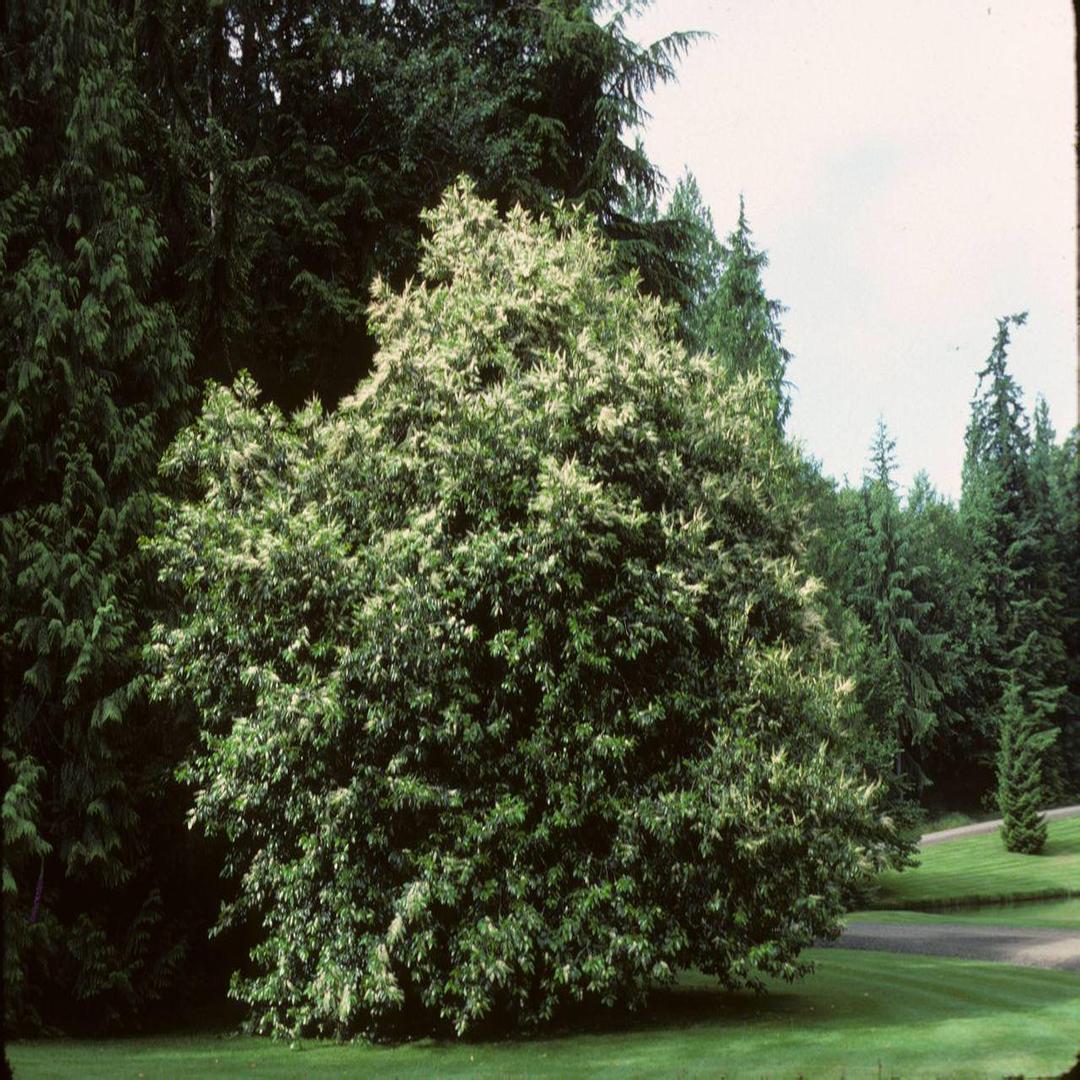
(744, 327)
(1000, 509)
(887, 594)
(94, 372)
(1068, 517)
(996, 502)
(1052, 573)
(704, 261)
(937, 542)
(298, 146)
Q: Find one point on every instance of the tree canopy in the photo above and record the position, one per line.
(511, 689)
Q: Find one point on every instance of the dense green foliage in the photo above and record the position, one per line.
(299, 144)
(94, 372)
(512, 692)
(1022, 745)
(188, 188)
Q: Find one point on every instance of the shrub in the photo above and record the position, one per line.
(510, 686)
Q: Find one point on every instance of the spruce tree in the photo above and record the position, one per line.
(1023, 743)
(744, 328)
(888, 595)
(94, 378)
(938, 543)
(996, 503)
(1052, 574)
(1066, 495)
(704, 260)
(999, 507)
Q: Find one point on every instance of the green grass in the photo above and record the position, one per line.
(978, 869)
(910, 1015)
(953, 819)
(1052, 914)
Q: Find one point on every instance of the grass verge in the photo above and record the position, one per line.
(1051, 914)
(978, 870)
(955, 819)
(861, 1014)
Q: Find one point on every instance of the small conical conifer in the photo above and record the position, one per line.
(1023, 742)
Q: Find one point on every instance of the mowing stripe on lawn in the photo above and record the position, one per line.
(860, 1013)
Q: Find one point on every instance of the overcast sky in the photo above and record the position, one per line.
(909, 167)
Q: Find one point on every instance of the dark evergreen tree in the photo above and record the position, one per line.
(1052, 572)
(999, 508)
(94, 371)
(996, 503)
(1066, 494)
(299, 144)
(888, 595)
(937, 541)
(704, 263)
(744, 326)
(1023, 742)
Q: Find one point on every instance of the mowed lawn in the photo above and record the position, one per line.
(978, 869)
(861, 1014)
(1049, 914)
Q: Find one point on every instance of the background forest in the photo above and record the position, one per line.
(191, 190)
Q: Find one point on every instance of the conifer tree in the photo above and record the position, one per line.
(887, 594)
(937, 542)
(1000, 511)
(704, 261)
(744, 328)
(94, 377)
(1051, 576)
(1066, 494)
(1023, 742)
(996, 500)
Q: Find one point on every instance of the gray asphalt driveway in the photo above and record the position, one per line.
(989, 826)
(1027, 946)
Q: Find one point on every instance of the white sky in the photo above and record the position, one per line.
(909, 167)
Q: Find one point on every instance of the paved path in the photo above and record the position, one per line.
(1027, 946)
(989, 826)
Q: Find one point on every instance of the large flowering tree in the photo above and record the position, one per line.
(511, 690)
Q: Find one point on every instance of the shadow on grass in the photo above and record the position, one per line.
(1062, 844)
(852, 993)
